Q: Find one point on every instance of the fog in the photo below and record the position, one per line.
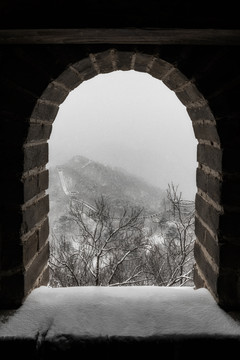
(132, 121)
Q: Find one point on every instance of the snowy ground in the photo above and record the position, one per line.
(121, 311)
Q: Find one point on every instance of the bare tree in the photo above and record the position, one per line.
(169, 261)
(107, 248)
(112, 248)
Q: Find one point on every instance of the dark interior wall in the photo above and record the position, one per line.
(28, 110)
(35, 80)
(115, 13)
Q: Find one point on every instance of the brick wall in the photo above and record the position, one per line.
(36, 80)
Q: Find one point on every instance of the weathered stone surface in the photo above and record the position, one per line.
(35, 184)
(208, 213)
(43, 232)
(45, 111)
(86, 71)
(210, 185)
(55, 93)
(38, 132)
(205, 238)
(104, 61)
(123, 59)
(160, 68)
(36, 268)
(207, 266)
(35, 212)
(35, 156)
(206, 132)
(201, 112)
(34, 82)
(141, 61)
(210, 156)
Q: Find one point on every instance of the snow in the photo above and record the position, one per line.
(119, 311)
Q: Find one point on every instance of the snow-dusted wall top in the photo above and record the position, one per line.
(121, 311)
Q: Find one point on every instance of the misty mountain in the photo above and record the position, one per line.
(89, 180)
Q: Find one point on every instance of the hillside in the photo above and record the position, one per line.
(89, 180)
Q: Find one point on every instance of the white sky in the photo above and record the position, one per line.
(129, 120)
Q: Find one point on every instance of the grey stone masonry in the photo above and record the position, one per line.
(35, 82)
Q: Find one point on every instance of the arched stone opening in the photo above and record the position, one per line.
(186, 91)
(213, 269)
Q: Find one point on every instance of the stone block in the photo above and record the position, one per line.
(160, 68)
(190, 96)
(37, 267)
(202, 112)
(142, 61)
(209, 184)
(70, 79)
(208, 213)
(43, 233)
(104, 61)
(210, 156)
(210, 276)
(123, 59)
(85, 69)
(206, 132)
(35, 184)
(30, 248)
(199, 282)
(225, 192)
(35, 156)
(55, 93)
(175, 79)
(34, 213)
(45, 111)
(207, 241)
(38, 132)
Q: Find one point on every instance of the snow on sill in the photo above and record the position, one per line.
(139, 312)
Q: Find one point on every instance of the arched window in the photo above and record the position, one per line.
(126, 138)
(215, 176)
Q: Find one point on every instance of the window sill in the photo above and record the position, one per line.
(53, 322)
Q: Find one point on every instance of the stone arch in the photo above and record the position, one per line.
(210, 215)
(113, 60)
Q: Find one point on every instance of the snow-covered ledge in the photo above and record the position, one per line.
(55, 321)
